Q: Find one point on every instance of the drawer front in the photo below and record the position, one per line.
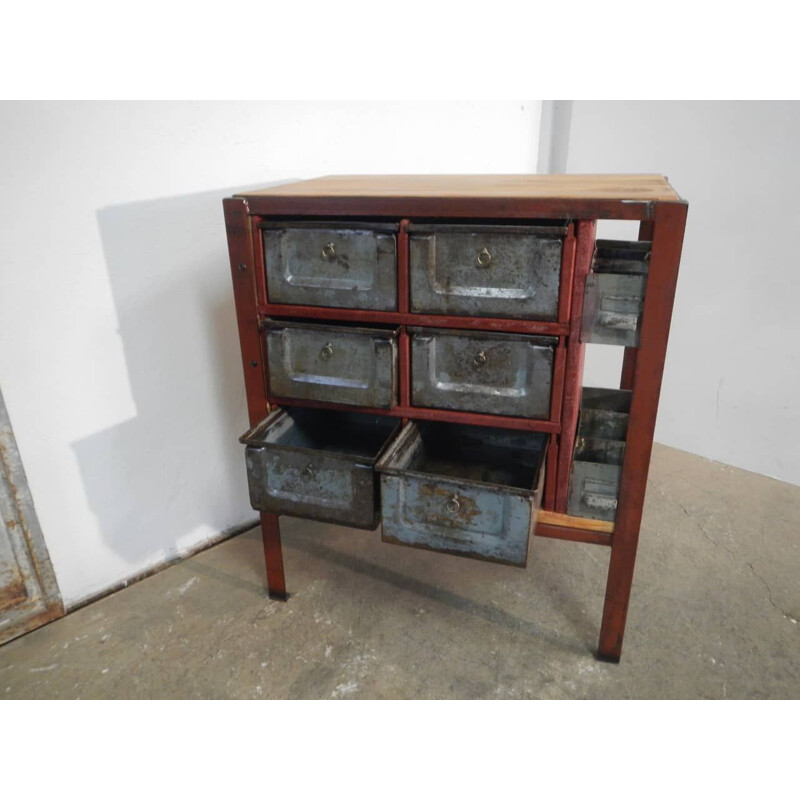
(614, 295)
(458, 519)
(594, 490)
(612, 308)
(355, 366)
(486, 373)
(336, 267)
(312, 485)
(462, 490)
(484, 273)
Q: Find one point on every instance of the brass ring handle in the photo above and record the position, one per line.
(329, 251)
(484, 258)
(480, 359)
(453, 505)
(308, 472)
(327, 352)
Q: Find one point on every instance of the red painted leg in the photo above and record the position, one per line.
(273, 556)
(648, 369)
(629, 359)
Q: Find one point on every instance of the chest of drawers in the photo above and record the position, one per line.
(413, 355)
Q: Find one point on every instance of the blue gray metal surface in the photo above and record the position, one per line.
(328, 264)
(492, 373)
(599, 451)
(614, 295)
(318, 464)
(332, 363)
(486, 270)
(29, 594)
(463, 490)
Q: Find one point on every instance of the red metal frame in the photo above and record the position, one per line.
(247, 271)
(662, 277)
(661, 222)
(493, 324)
(436, 414)
(574, 366)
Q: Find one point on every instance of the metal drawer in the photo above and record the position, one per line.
(328, 264)
(332, 363)
(492, 373)
(486, 270)
(614, 295)
(599, 452)
(318, 464)
(464, 490)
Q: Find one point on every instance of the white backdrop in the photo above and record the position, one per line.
(732, 378)
(119, 356)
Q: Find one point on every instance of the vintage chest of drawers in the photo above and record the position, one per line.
(413, 355)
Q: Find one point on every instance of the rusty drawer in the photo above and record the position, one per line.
(330, 264)
(462, 489)
(599, 452)
(332, 363)
(614, 294)
(318, 464)
(486, 270)
(490, 373)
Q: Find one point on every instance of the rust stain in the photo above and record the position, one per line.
(468, 508)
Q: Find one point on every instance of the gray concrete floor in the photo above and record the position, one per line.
(714, 614)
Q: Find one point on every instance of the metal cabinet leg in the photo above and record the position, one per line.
(643, 373)
(273, 556)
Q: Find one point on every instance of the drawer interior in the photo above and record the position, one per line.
(614, 294)
(482, 455)
(599, 453)
(345, 433)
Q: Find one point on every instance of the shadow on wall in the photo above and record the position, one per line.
(173, 476)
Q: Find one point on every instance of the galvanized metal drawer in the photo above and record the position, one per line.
(332, 363)
(331, 264)
(599, 452)
(486, 270)
(464, 490)
(492, 373)
(614, 295)
(318, 464)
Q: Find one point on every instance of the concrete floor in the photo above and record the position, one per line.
(714, 614)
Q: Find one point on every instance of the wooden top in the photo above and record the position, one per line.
(476, 196)
(650, 188)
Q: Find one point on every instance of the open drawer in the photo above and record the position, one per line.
(462, 489)
(318, 464)
(599, 453)
(614, 295)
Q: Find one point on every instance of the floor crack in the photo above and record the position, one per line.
(702, 530)
(769, 594)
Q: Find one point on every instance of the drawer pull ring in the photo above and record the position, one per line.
(326, 353)
(308, 472)
(453, 505)
(480, 359)
(329, 251)
(484, 258)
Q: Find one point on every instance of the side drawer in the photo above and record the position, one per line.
(599, 452)
(492, 373)
(332, 363)
(318, 464)
(486, 270)
(614, 295)
(328, 264)
(464, 490)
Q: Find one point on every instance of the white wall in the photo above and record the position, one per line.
(119, 357)
(732, 378)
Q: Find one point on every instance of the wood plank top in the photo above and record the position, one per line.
(603, 188)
